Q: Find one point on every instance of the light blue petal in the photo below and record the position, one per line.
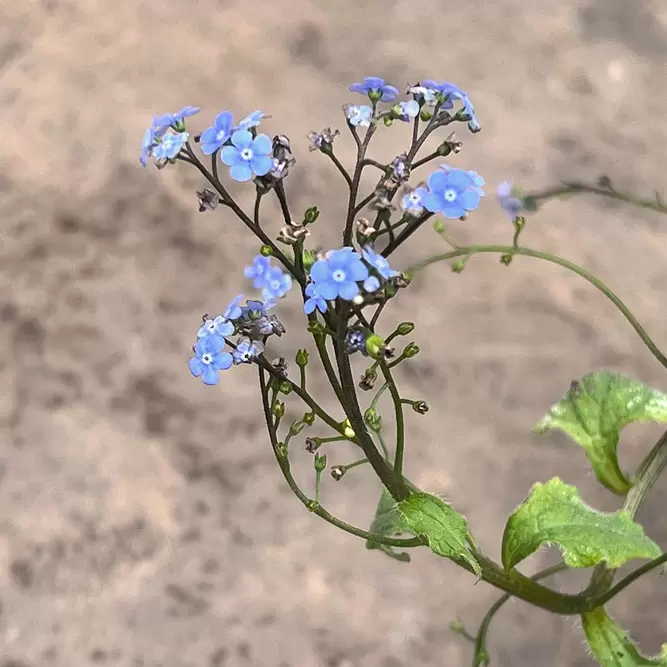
(453, 211)
(196, 367)
(459, 179)
(348, 290)
(210, 376)
(262, 145)
(309, 306)
(438, 181)
(320, 271)
(230, 155)
(328, 290)
(470, 200)
(261, 164)
(371, 284)
(223, 361)
(433, 202)
(357, 270)
(241, 172)
(242, 139)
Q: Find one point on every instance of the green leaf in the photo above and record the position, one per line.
(594, 411)
(612, 647)
(443, 527)
(554, 513)
(388, 522)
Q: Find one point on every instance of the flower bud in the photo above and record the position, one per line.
(506, 259)
(368, 379)
(405, 328)
(388, 121)
(439, 226)
(302, 358)
(285, 388)
(375, 346)
(311, 215)
(266, 251)
(316, 327)
(278, 409)
(420, 407)
(458, 266)
(308, 418)
(320, 462)
(348, 431)
(373, 420)
(411, 350)
(297, 427)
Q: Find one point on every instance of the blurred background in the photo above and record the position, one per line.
(143, 520)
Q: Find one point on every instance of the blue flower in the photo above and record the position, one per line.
(248, 156)
(511, 204)
(424, 94)
(452, 193)
(147, 144)
(254, 310)
(175, 120)
(448, 90)
(219, 326)
(170, 145)
(257, 270)
(314, 300)
(276, 284)
(338, 274)
(379, 263)
(408, 111)
(251, 120)
(355, 341)
(233, 310)
(209, 359)
(412, 202)
(371, 284)
(473, 123)
(213, 137)
(358, 115)
(375, 88)
(247, 350)
(477, 179)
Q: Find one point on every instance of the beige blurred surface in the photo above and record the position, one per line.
(143, 521)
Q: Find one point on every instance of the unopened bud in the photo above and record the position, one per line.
(316, 327)
(286, 388)
(320, 462)
(458, 266)
(506, 259)
(373, 420)
(308, 418)
(388, 121)
(420, 407)
(266, 251)
(375, 346)
(348, 431)
(519, 223)
(405, 328)
(278, 409)
(302, 358)
(411, 350)
(297, 427)
(439, 226)
(311, 215)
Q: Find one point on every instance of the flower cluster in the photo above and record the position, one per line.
(166, 136)
(273, 282)
(340, 273)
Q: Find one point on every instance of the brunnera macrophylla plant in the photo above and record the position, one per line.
(344, 291)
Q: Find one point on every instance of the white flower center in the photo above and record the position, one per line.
(450, 195)
(246, 154)
(220, 136)
(207, 358)
(338, 276)
(414, 198)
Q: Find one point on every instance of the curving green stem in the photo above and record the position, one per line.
(468, 251)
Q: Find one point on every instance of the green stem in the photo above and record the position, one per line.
(400, 420)
(554, 259)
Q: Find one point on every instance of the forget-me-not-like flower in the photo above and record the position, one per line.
(210, 358)
(170, 145)
(412, 202)
(248, 156)
(452, 193)
(375, 88)
(233, 310)
(408, 111)
(314, 300)
(371, 284)
(174, 120)
(359, 115)
(276, 284)
(510, 203)
(212, 138)
(379, 263)
(251, 120)
(257, 270)
(218, 326)
(247, 350)
(337, 274)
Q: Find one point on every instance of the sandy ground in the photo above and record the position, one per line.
(143, 521)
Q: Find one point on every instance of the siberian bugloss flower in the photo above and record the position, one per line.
(251, 120)
(174, 120)
(358, 115)
(379, 263)
(511, 204)
(337, 274)
(169, 146)
(314, 300)
(371, 284)
(247, 350)
(257, 270)
(248, 156)
(376, 89)
(407, 111)
(210, 358)
(276, 284)
(413, 202)
(212, 138)
(219, 326)
(233, 310)
(452, 193)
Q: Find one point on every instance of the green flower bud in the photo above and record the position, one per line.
(506, 259)
(458, 266)
(388, 121)
(311, 215)
(425, 115)
(297, 427)
(278, 409)
(316, 327)
(266, 251)
(309, 418)
(281, 450)
(375, 346)
(519, 223)
(302, 358)
(373, 420)
(411, 350)
(405, 328)
(348, 431)
(286, 388)
(320, 462)
(439, 226)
